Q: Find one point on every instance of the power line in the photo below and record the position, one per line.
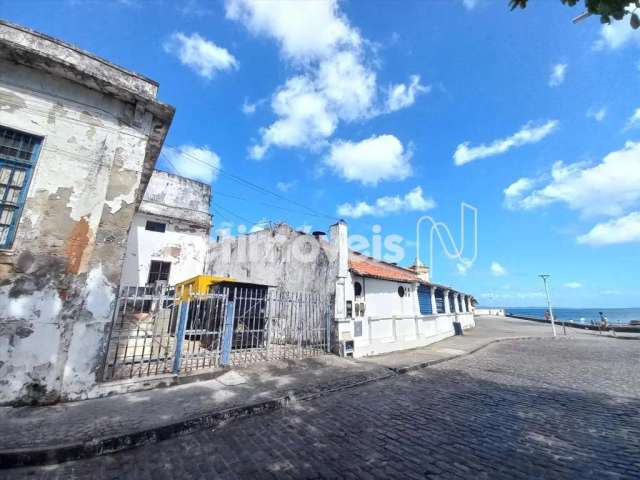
(234, 177)
(237, 197)
(244, 219)
(247, 183)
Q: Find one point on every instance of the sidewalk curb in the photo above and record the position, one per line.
(421, 365)
(104, 446)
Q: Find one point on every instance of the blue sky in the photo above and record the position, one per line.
(382, 112)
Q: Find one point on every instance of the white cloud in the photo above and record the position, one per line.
(197, 163)
(305, 118)
(262, 224)
(310, 106)
(529, 133)
(470, 4)
(597, 114)
(201, 55)
(497, 270)
(617, 35)
(634, 120)
(223, 230)
(414, 201)
(558, 72)
(371, 160)
(334, 81)
(305, 31)
(463, 266)
(286, 186)
(249, 108)
(573, 285)
(608, 188)
(514, 192)
(347, 84)
(619, 230)
(401, 96)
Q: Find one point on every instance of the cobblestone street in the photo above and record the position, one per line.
(565, 408)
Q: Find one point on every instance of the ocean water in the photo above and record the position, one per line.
(582, 315)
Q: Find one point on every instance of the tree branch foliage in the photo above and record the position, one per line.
(605, 9)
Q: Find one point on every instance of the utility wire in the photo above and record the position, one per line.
(248, 183)
(237, 178)
(237, 197)
(244, 219)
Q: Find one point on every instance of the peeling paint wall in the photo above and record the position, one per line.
(280, 257)
(183, 206)
(58, 281)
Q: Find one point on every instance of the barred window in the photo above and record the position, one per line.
(158, 271)
(18, 155)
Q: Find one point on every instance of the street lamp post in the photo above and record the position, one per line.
(546, 290)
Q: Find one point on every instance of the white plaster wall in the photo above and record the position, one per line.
(395, 334)
(85, 145)
(383, 300)
(181, 244)
(392, 323)
(466, 320)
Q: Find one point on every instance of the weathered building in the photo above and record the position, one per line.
(169, 235)
(79, 138)
(280, 257)
(378, 307)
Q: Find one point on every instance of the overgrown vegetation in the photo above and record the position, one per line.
(605, 9)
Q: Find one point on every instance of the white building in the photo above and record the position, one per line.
(169, 235)
(390, 308)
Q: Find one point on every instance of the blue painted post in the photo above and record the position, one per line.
(227, 335)
(327, 327)
(183, 313)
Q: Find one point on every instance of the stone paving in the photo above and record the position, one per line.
(544, 408)
(66, 423)
(78, 423)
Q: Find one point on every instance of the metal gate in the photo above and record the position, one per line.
(159, 331)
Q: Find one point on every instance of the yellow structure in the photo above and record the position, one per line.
(199, 285)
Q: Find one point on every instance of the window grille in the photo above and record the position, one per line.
(18, 155)
(155, 226)
(159, 271)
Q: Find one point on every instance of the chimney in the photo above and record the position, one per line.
(421, 270)
(339, 237)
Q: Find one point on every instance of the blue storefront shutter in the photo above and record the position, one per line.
(439, 300)
(18, 155)
(424, 300)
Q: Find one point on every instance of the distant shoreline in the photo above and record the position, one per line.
(581, 316)
(616, 327)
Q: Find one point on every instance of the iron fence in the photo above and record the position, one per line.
(161, 330)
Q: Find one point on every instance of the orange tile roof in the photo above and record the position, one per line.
(365, 266)
(370, 267)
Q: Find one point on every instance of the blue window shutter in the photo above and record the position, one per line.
(439, 300)
(424, 300)
(18, 155)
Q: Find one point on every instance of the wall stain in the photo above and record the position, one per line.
(57, 110)
(10, 102)
(76, 245)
